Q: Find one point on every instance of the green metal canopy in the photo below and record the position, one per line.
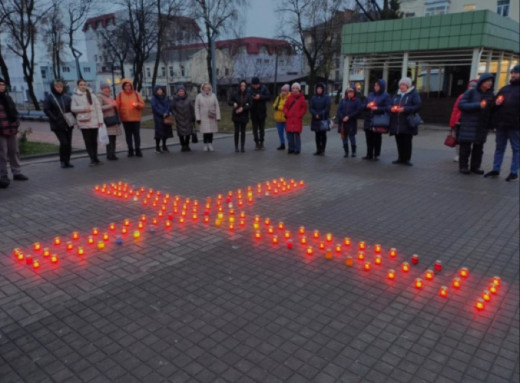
(451, 31)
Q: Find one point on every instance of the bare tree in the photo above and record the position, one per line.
(77, 12)
(52, 35)
(140, 21)
(371, 10)
(116, 45)
(21, 18)
(166, 12)
(314, 28)
(4, 70)
(216, 16)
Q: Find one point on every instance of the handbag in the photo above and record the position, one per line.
(414, 120)
(450, 141)
(103, 135)
(112, 120)
(194, 138)
(212, 113)
(325, 125)
(68, 116)
(381, 122)
(168, 120)
(83, 117)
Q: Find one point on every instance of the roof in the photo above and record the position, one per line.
(452, 31)
(252, 45)
(104, 20)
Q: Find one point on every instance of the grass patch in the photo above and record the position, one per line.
(30, 148)
(226, 124)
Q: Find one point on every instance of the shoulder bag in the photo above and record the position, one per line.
(414, 120)
(381, 122)
(68, 117)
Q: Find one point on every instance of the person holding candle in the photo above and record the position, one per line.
(111, 119)
(259, 95)
(279, 116)
(89, 117)
(130, 104)
(375, 103)
(455, 117)
(161, 109)
(207, 114)
(184, 114)
(476, 107)
(348, 111)
(240, 102)
(319, 108)
(9, 123)
(506, 121)
(405, 104)
(294, 109)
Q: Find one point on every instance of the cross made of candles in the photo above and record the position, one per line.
(228, 212)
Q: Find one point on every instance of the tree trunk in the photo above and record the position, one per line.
(28, 75)
(5, 71)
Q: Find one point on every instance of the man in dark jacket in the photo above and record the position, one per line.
(9, 124)
(506, 121)
(259, 95)
(475, 106)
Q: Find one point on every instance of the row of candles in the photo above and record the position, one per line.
(180, 207)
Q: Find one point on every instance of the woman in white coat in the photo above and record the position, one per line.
(89, 118)
(207, 114)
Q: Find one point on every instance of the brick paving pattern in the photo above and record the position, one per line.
(200, 304)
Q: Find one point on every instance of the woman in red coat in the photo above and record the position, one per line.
(295, 108)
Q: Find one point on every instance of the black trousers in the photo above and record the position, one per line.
(65, 140)
(111, 146)
(258, 129)
(321, 141)
(132, 134)
(184, 140)
(207, 138)
(374, 141)
(404, 146)
(240, 131)
(90, 136)
(468, 149)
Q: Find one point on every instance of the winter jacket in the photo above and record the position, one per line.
(184, 114)
(52, 110)
(381, 100)
(295, 108)
(130, 103)
(258, 108)
(411, 102)
(160, 108)
(204, 103)
(351, 108)
(242, 99)
(475, 120)
(506, 116)
(455, 113)
(278, 104)
(319, 108)
(88, 116)
(109, 109)
(9, 121)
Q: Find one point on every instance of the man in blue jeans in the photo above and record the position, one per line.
(507, 123)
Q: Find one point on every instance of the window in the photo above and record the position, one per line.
(44, 73)
(171, 71)
(336, 63)
(148, 72)
(227, 71)
(182, 71)
(259, 61)
(86, 69)
(266, 61)
(470, 7)
(503, 7)
(163, 71)
(218, 72)
(65, 69)
(436, 7)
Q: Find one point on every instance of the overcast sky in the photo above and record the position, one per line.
(261, 20)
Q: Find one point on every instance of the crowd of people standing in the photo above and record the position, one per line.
(101, 118)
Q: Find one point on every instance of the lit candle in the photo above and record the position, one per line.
(95, 231)
(105, 237)
(270, 230)
(418, 283)
(137, 234)
(367, 266)
(256, 225)
(124, 230)
(464, 272)
(349, 261)
(231, 226)
(405, 267)
(362, 245)
(480, 304)
(328, 253)
(281, 225)
(126, 222)
(301, 230)
(321, 246)
(393, 252)
(316, 234)
(303, 240)
(338, 248)
(361, 255)
(46, 252)
(57, 241)
(378, 259)
(500, 99)
(497, 280)
(101, 245)
(112, 226)
(37, 246)
(36, 264)
(309, 250)
(347, 241)
(456, 282)
(90, 240)
(267, 221)
(54, 258)
(287, 234)
(443, 291)
(258, 234)
(486, 295)
(69, 246)
(275, 239)
(429, 274)
(169, 223)
(80, 251)
(493, 289)
(329, 237)
(391, 274)
(377, 248)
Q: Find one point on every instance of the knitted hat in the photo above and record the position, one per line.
(180, 87)
(286, 87)
(2, 80)
(406, 80)
(102, 86)
(516, 68)
(350, 89)
(255, 81)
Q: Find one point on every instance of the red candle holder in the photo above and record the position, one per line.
(36, 264)
(415, 259)
(37, 246)
(443, 291)
(281, 225)
(301, 230)
(493, 289)
(367, 266)
(303, 240)
(393, 252)
(80, 251)
(275, 239)
(361, 255)
(57, 241)
(486, 295)
(429, 274)
(497, 281)
(377, 248)
(463, 272)
(378, 259)
(290, 244)
(328, 237)
(438, 265)
(287, 234)
(310, 251)
(46, 252)
(347, 241)
(95, 231)
(349, 261)
(54, 258)
(391, 274)
(258, 234)
(69, 246)
(316, 234)
(362, 245)
(338, 248)
(457, 282)
(405, 267)
(418, 283)
(480, 304)
(328, 254)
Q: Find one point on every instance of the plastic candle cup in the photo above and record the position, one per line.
(95, 231)
(101, 245)
(486, 295)
(270, 230)
(443, 291)
(367, 266)
(362, 245)
(218, 222)
(301, 230)
(69, 246)
(328, 253)
(275, 239)
(393, 252)
(290, 244)
(137, 234)
(303, 240)
(391, 274)
(80, 251)
(54, 258)
(456, 282)
(378, 259)
(338, 248)
(57, 241)
(287, 234)
(347, 241)
(329, 237)
(405, 267)
(361, 255)
(438, 265)
(316, 234)
(463, 272)
(349, 261)
(415, 259)
(418, 283)
(429, 274)
(321, 246)
(309, 250)
(112, 226)
(493, 289)
(105, 237)
(480, 304)
(90, 240)
(258, 234)
(377, 248)
(36, 264)
(497, 280)
(281, 225)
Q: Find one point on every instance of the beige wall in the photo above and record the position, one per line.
(418, 8)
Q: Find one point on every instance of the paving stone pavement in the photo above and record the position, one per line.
(197, 303)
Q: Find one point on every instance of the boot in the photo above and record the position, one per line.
(138, 153)
(354, 150)
(345, 147)
(130, 152)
